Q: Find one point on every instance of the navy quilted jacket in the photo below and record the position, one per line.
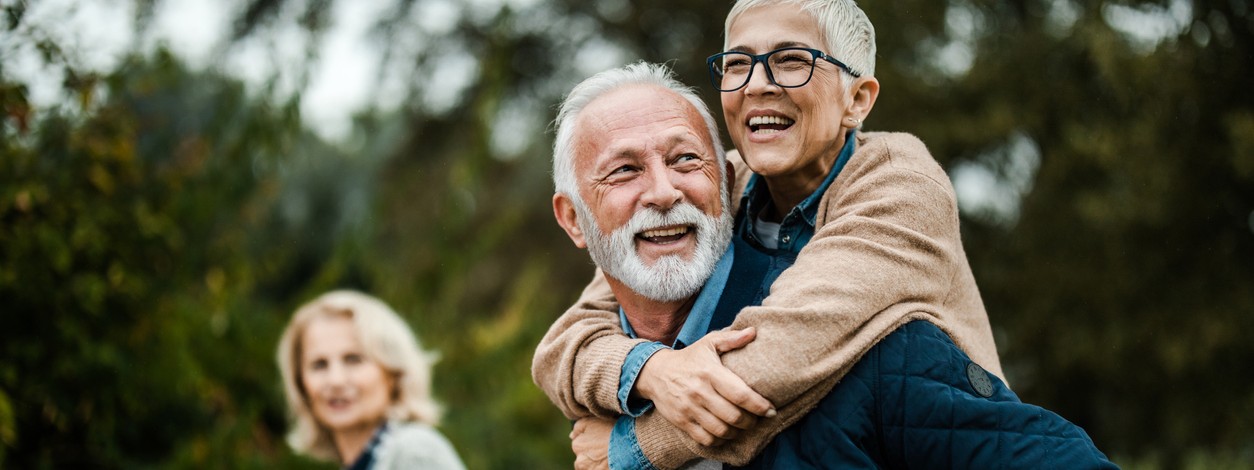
(917, 401)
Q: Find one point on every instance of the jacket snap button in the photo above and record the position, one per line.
(979, 380)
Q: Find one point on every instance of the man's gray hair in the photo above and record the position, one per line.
(640, 73)
(849, 33)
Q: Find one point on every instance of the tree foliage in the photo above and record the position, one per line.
(159, 227)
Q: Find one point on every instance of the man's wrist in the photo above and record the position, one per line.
(644, 388)
(629, 400)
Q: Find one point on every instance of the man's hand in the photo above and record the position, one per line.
(694, 391)
(590, 440)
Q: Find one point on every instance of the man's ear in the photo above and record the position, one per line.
(564, 212)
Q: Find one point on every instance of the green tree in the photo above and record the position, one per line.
(1117, 286)
(123, 222)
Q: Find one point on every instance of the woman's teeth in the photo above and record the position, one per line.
(769, 124)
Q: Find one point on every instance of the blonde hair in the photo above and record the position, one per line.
(385, 339)
(849, 33)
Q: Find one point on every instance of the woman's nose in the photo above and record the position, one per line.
(760, 80)
(336, 374)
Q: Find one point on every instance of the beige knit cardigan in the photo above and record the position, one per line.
(886, 251)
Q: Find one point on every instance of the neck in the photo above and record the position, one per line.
(349, 443)
(653, 320)
(787, 191)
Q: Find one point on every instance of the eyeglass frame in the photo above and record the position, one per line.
(716, 77)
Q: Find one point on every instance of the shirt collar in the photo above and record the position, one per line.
(698, 322)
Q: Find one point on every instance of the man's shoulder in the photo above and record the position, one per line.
(920, 363)
(916, 341)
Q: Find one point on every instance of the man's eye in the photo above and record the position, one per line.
(687, 157)
(622, 170)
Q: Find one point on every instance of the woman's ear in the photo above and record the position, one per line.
(568, 218)
(863, 93)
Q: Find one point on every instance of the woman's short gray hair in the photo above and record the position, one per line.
(385, 338)
(849, 33)
(640, 73)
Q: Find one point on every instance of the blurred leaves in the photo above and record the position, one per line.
(108, 235)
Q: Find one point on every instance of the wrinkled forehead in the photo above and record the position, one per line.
(635, 109)
(638, 101)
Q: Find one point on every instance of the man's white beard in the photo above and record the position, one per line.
(670, 277)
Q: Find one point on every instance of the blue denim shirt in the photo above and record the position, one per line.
(796, 230)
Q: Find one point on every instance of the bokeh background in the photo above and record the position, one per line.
(176, 176)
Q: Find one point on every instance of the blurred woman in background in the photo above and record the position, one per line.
(358, 387)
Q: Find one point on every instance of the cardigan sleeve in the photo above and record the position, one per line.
(578, 361)
(889, 248)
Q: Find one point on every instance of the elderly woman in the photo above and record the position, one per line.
(359, 387)
(865, 223)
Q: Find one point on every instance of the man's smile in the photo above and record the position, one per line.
(665, 235)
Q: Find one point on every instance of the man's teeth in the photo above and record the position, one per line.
(665, 232)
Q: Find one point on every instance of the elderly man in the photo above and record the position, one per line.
(641, 183)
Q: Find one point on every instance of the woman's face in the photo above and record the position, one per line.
(347, 391)
(784, 134)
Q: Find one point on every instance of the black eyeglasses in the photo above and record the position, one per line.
(789, 67)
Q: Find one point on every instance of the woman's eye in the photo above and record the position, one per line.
(353, 359)
(319, 364)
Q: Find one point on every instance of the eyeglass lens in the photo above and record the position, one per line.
(788, 67)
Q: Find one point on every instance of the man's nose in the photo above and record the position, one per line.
(661, 192)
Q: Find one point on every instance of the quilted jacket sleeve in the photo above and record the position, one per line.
(939, 409)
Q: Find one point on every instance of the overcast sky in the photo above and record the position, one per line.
(99, 32)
